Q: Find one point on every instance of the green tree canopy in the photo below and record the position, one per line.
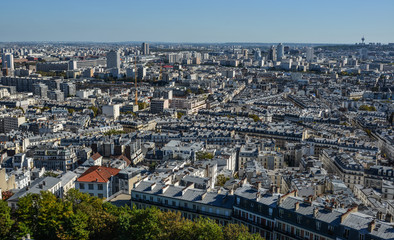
(80, 216)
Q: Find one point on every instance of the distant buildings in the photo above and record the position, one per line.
(272, 54)
(145, 49)
(8, 61)
(280, 51)
(113, 59)
(309, 54)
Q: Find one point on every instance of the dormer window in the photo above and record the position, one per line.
(318, 225)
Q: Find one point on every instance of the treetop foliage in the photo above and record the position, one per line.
(80, 216)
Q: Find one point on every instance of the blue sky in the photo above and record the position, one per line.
(300, 21)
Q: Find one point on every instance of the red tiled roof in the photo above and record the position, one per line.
(98, 174)
(96, 156)
(124, 158)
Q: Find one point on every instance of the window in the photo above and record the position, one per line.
(238, 200)
(299, 219)
(185, 204)
(100, 195)
(81, 186)
(151, 198)
(361, 237)
(330, 229)
(100, 186)
(166, 201)
(346, 233)
(91, 187)
(281, 213)
(318, 225)
(270, 211)
(173, 203)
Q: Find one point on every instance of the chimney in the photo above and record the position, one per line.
(290, 194)
(164, 189)
(258, 185)
(258, 196)
(203, 195)
(315, 212)
(231, 191)
(152, 186)
(371, 226)
(297, 206)
(350, 210)
(272, 189)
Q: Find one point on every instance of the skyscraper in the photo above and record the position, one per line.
(113, 59)
(8, 61)
(309, 54)
(145, 48)
(280, 51)
(257, 54)
(364, 54)
(272, 54)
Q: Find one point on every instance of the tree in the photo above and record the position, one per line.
(179, 115)
(142, 105)
(221, 180)
(95, 110)
(367, 108)
(81, 216)
(5, 220)
(204, 155)
(188, 92)
(254, 117)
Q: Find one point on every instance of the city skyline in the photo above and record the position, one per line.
(202, 22)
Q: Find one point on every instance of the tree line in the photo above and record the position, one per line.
(81, 216)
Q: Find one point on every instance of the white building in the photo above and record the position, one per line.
(113, 59)
(8, 61)
(309, 54)
(13, 122)
(112, 110)
(97, 181)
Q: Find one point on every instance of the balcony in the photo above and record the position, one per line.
(239, 217)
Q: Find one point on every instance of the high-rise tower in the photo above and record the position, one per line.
(280, 51)
(113, 59)
(145, 48)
